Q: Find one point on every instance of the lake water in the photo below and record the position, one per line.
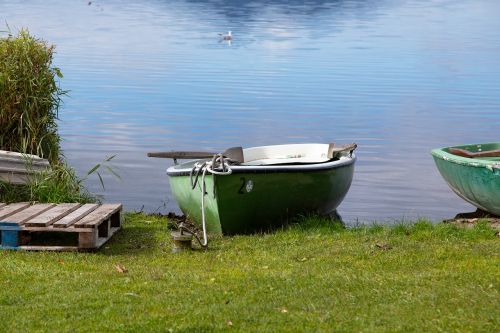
(397, 77)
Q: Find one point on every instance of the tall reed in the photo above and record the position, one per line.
(29, 96)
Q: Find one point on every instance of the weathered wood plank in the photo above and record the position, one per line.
(47, 248)
(88, 240)
(75, 216)
(52, 215)
(28, 213)
(97, 216)
(12, 209)
(51, 228)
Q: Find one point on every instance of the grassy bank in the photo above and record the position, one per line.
(313, 277)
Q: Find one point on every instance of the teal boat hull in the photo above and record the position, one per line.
(476, 180)
(259, 198)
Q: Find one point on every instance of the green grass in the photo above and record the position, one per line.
(311, 277)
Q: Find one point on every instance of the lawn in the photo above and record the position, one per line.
(315, 276)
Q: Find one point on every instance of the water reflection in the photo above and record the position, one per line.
(398, 78)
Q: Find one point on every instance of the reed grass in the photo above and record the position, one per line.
(30, 96)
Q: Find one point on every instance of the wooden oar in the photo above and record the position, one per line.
(470, 154)
(234, 153)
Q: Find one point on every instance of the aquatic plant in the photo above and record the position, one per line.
(30, 96)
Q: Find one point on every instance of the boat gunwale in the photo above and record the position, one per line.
(175, 171)
(465, 161)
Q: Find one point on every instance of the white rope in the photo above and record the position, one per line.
(221, 168)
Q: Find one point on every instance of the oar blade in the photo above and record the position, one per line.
(235, 154)
(334, 150)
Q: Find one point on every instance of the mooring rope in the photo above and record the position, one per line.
(219, 165)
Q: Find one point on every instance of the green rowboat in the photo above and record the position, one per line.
(269, 187)
(472, 172)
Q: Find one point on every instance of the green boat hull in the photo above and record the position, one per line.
(477, 180)
(260, 199)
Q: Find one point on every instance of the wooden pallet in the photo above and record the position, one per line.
(71, 226)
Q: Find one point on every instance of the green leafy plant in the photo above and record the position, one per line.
(104, 164)
(30, 96)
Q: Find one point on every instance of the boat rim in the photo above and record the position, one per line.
(472, 162)
(178, 170)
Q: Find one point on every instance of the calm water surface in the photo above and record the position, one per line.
(397, 77)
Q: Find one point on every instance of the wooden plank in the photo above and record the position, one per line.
(51, 228)
(28, 213)
(88, 240)
(52, 215)
(95, 218)
(47, 248)
(12, 209)
(75, 216)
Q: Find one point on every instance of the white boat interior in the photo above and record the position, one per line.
(276, 158)
(290, 154)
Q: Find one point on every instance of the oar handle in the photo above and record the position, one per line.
(182, 154)
(233, 153)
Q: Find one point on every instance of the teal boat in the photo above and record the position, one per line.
(263, 187)
(472, 172)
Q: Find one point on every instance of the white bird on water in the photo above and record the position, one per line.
(227, 36)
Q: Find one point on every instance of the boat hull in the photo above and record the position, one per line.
(262, 198)
(16, 168)
(475, 180)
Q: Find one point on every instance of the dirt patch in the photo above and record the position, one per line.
(468, 220)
